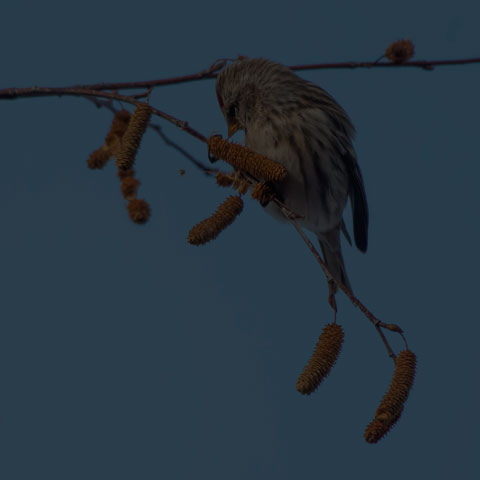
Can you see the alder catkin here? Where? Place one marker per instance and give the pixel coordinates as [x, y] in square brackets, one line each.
[133, 136]
[138, 210]
[129, 187]
[400, 51]
[118, 128]
[263, 193]
[391, 406]
[99, 158]
[224, 180]
[125, 173]
[245, 159]
[324, 357]
[210, 228]
[242, 187]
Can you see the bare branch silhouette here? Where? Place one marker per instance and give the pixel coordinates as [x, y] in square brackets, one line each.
[211, 73]
[123, 143]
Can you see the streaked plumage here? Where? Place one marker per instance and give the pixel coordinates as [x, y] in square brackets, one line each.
[300, 125]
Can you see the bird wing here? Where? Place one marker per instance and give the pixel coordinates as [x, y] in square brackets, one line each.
[358, 201]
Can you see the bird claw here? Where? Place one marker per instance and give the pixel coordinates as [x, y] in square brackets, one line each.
[264, 193]
[332, 290]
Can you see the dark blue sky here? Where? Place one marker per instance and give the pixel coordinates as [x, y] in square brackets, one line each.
[127, 353]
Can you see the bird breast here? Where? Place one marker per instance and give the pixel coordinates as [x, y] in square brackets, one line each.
[317, 184]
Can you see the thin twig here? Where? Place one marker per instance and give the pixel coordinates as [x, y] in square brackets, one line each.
[425, 64]
[99, 103]
[204, 74]
[13, 93]
[291, 216]
[206, 170]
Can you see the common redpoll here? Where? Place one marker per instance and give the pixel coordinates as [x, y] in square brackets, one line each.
[298, 124]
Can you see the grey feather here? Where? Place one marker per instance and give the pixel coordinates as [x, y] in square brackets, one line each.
[298, 124]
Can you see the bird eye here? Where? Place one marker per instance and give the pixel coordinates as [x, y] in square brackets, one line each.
[232, 111]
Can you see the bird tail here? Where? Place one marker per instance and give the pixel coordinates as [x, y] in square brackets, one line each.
[332, 254]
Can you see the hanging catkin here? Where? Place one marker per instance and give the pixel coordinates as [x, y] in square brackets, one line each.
[391, 406]
[210, 228]
[324, 357]
[133, 136]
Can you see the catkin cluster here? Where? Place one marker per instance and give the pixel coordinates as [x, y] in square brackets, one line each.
[100, 157]
[391, 406]
[324, 357]
[210, 228]
[122, 141]
[245, 159]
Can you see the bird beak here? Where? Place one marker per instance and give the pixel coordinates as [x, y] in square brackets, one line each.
[232, 128]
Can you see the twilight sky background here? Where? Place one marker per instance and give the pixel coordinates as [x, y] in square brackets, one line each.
[127, 353]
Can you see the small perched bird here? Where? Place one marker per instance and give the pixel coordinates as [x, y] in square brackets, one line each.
[299, 125]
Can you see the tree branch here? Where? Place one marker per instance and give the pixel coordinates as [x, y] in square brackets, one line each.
[424, 64]
[96, 91]
[212, 72]
[14, 93]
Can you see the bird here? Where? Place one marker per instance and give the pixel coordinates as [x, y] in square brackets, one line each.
[300, 125]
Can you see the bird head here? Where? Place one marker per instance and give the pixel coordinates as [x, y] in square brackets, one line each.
[237, 103]
[239, 94]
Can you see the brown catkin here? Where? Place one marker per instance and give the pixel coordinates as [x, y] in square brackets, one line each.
[324, 357]
[245, 159]
[262, 192]
[391, 406]
[236, 182]
[125, 173]
[400, 51]
[133, 136]
[378, 428]
[243, 187]
[129, 187]
[210, 228]
[99, 158]
[138, 210]
[224, 180]
[118, 127]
